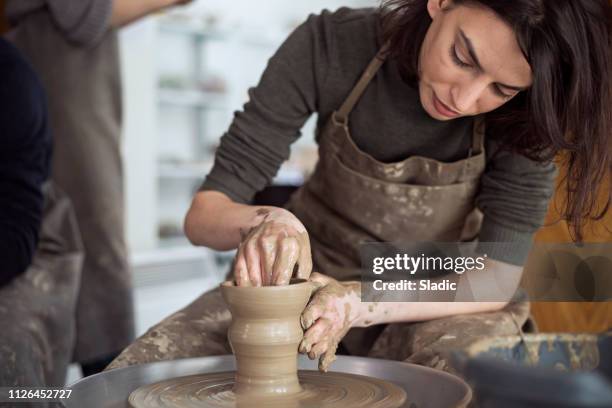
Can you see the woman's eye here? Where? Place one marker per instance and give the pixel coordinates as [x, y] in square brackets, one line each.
[501, 93]
[455, 57]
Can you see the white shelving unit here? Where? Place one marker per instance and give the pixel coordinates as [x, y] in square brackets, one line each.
[188, 88]
[182, 83]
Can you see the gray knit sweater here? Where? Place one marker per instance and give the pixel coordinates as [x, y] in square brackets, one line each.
[313, 72]
[83, 22]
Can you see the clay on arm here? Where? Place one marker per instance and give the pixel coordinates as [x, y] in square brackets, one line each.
[217, 222]
[25, 148]
[259, 138]
[494, 286]
[397, 312]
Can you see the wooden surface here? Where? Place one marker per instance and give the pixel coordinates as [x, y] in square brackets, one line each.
[567, 316]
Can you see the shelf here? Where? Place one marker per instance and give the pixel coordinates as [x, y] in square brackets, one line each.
[200, 33]
[191, 98]
[185, 170]
[169, 255]
[192, 30]
[197, 171]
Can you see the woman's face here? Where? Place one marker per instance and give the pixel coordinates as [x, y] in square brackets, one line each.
[470, 62]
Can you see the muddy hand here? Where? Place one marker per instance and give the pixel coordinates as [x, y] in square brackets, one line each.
[269, 251]
[332, 311]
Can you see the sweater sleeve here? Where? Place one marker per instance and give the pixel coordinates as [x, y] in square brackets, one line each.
[25, 148]
[514, 196]
[259, 138]
[84, 22]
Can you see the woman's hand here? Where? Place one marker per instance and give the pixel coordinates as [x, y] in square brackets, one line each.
[270, 250]
[333, 310]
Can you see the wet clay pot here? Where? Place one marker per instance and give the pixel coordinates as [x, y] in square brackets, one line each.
[264, 334]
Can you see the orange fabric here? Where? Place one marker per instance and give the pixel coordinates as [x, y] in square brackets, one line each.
[569, 316]
[3, 22]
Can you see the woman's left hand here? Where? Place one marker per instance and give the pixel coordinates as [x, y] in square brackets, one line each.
[333, 310]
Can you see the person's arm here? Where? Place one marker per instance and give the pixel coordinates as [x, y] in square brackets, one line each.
[336, 307]
[85, 22]
[25, 148]
[216, 221]
[253, 149]
[514, 196]
[125, 12]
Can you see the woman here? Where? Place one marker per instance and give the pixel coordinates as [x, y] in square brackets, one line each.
[402, 95]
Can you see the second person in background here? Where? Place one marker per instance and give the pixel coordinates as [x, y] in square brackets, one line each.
[73, 47]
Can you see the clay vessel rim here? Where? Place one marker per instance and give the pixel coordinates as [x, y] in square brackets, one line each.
[295, 284]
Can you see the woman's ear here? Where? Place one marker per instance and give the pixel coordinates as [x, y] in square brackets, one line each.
[435, 6]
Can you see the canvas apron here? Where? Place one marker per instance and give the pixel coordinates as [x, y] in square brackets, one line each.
[37, 308]
[83, 87]
[351, 198]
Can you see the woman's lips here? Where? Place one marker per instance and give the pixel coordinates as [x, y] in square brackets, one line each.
[443, 109]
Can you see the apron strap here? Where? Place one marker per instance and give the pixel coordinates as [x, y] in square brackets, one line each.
[342, 114]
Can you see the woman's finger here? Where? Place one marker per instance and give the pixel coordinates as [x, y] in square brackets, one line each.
[253, 262]
[319, 279]
[314, 335]
[305, 258]
[269, 251]
[241, 273]
[318, 349]
[310, 314]
[285, 261]
[329, 356]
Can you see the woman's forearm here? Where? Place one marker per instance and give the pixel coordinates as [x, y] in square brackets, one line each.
[394, 312]
[127, 11]
[491, 288]
[217, 222]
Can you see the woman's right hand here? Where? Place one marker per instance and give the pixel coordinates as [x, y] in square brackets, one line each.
[269, 251]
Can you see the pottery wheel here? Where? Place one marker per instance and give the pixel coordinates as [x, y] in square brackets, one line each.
[425, 387]
[324, 390]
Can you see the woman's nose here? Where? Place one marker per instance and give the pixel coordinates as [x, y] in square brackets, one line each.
[465, 95]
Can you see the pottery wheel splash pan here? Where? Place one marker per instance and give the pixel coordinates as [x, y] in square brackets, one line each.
[424, 387]
[319, 390]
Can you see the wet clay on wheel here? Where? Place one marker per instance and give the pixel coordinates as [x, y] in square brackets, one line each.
[264, 335]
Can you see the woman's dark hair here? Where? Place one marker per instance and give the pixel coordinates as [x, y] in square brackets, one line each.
[568, 109]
